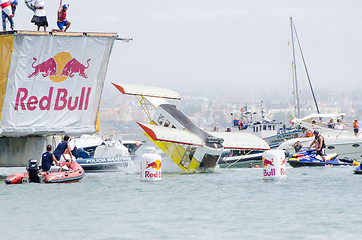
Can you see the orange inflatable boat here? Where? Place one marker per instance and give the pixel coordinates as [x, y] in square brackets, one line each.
[33, 174]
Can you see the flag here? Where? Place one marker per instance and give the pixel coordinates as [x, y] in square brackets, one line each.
[244, 109]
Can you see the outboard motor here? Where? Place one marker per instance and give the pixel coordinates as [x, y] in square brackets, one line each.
[33, 170]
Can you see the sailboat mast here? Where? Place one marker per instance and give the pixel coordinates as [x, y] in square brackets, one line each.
[296, 94]
[306, 70]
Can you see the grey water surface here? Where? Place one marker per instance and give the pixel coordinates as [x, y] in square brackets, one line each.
[311, 203]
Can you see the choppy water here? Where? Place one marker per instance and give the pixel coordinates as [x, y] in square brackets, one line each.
[312, 203]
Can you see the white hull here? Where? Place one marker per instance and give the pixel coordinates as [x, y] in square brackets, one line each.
[345, 147]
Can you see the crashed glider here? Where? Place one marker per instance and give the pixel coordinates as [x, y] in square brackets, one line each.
[188, 146]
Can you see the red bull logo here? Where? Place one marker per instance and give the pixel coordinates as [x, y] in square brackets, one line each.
[267, 162]
[60, 67]
[274, 164]
[152, 170]
[62, 100]
[269, 173]
[282, 162]
[156, 165]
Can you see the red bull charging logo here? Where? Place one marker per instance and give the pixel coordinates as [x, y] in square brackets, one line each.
[59, 67]
[156, 165]
[267, 162]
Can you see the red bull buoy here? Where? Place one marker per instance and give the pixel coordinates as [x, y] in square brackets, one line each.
[151, 167]
[274, 164]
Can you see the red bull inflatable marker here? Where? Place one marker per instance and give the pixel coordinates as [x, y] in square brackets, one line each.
[274, 164]
[151, 167]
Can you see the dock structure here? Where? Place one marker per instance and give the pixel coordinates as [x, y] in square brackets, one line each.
[50, 85]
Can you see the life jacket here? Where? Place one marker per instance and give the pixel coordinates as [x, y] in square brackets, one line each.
[63, 17]
[355, 125]
[323, 143]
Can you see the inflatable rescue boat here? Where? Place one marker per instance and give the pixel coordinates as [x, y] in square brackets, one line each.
[33, 174]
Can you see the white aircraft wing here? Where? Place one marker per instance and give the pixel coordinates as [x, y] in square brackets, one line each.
[140, 90]
[238, 140]
[164, 134]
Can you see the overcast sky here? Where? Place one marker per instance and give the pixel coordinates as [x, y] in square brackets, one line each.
[234, 47]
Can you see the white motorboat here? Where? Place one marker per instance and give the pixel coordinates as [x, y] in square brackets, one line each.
[93, 153]
[340, 141]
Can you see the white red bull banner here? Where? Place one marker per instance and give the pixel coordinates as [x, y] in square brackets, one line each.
[54, 84]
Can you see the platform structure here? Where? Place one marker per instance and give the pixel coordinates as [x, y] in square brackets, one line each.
[50, 85]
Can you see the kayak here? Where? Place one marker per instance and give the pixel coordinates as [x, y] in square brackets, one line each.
[73, 173]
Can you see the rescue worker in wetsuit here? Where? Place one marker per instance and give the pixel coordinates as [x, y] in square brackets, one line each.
[320, 144]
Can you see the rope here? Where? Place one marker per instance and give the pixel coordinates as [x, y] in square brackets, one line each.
[229, 165]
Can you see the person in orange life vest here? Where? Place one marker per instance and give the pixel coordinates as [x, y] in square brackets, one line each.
[62, 19]
[355, 128]
[320, 144]
[309, 133]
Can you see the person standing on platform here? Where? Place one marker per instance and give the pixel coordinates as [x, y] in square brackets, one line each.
[63, 23]
[62, 147]
[13, 4]
[40, 18]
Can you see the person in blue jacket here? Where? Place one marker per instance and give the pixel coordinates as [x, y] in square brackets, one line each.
[47, 159]
[62, 147]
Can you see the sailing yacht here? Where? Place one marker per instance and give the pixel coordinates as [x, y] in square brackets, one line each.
[341, 141]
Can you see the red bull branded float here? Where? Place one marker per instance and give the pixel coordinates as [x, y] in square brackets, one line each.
[274, 164]
[50, 84]
[73, 173]
[151, 167]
